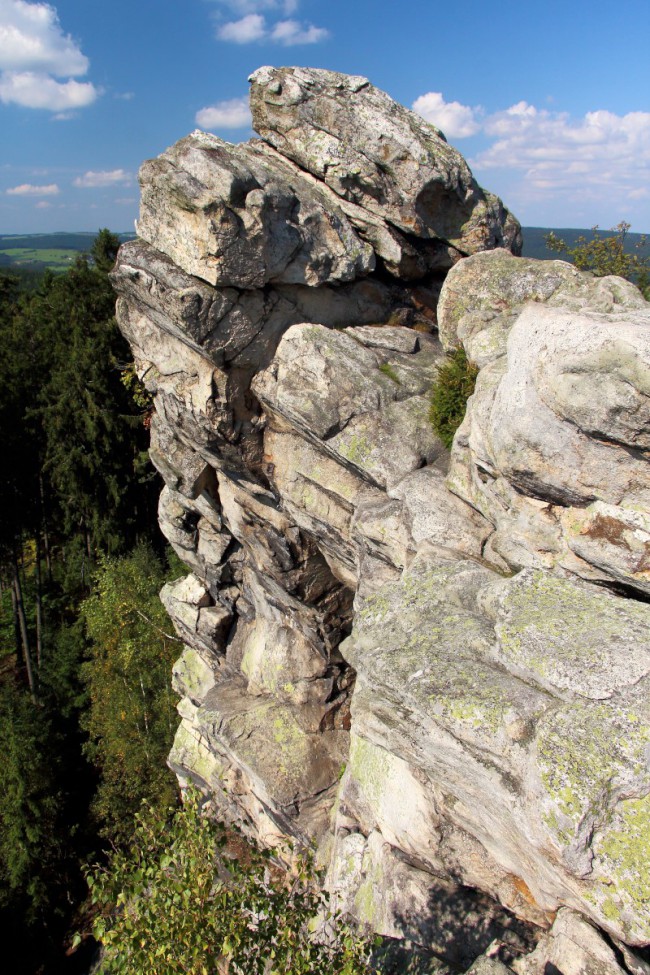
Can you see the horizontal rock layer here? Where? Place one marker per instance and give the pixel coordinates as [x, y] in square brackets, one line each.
[434, 666]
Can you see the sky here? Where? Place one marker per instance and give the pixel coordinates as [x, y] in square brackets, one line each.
[548, 101]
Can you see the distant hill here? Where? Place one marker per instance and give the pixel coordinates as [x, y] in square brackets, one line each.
[36, 252]
[535, 245]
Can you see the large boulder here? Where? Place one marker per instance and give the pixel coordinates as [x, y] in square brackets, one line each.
[377, 154]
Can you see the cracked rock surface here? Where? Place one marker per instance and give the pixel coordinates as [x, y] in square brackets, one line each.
[433, 665]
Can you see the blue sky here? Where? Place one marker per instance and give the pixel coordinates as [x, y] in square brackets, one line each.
[549, 102]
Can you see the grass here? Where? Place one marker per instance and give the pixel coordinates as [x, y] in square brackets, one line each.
[53, 256]
[453, 387]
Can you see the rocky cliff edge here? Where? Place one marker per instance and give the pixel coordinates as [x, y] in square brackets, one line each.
[433, 665]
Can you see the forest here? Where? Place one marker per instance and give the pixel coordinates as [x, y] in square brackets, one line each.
[86, 711]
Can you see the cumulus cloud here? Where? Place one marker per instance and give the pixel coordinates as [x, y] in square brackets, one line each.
[28, 189]
[231, 114]
[555, 151]
[250, 28]
[291, 32]
[542, 154]
[31, 39]
[43, 205]
[456, 121]
[34, 90]
[34, 53]
[107, 177]
[253, 27]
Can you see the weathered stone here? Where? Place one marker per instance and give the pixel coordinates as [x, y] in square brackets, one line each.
[368, 410]
[431, 675]
[573, 947]
[248, 218]
[379, 155]
[552, 447]
[479, 301]
[470, 738]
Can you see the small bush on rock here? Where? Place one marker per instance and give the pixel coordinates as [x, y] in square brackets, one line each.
[179, 903]
[453, 387]
[608, 255]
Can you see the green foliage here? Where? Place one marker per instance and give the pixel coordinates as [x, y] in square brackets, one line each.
[104, 250]
[31, 802]
[607, 255]
[139, 393]
[177, 904]
[131, 719]
[453, 387]
[73, 486]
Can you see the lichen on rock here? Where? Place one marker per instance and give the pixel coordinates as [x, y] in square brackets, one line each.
[431, 665]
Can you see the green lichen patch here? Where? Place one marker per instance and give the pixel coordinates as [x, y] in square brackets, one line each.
[425, 637]
[588, 753]
[357, 449]
[571, 637]
[389, 371]
[190, 754]
[623, 859]
[370, 767]
[192, 677]
[368, 899]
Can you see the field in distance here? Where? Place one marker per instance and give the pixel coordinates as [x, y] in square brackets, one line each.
[36, 252]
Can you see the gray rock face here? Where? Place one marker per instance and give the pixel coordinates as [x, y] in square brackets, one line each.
[553, 449]
[434, 667]
[379, 155]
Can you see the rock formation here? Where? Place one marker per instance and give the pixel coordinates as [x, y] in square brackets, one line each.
[433, 666]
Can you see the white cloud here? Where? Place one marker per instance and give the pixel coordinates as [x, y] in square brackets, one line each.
[291, 32]
[456, 121]
[34, 52]
[231, 114]
[31, 39]
[540, 159]
[43, 205]
[250, 28]
[110, 177]
[28, 189]
[34, 90]
[556, 152]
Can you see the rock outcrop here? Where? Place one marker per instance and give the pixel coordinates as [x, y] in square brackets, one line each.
[432, 665]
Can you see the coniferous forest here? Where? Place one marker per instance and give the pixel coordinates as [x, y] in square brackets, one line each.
[86, 709]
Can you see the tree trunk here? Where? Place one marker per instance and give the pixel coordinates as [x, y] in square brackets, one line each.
[14, 607]
[46, 536]
[39, 604]
[20, 609]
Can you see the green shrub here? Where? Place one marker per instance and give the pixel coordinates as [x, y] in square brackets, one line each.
[177, 902]
[453, 387]
[607, 255]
